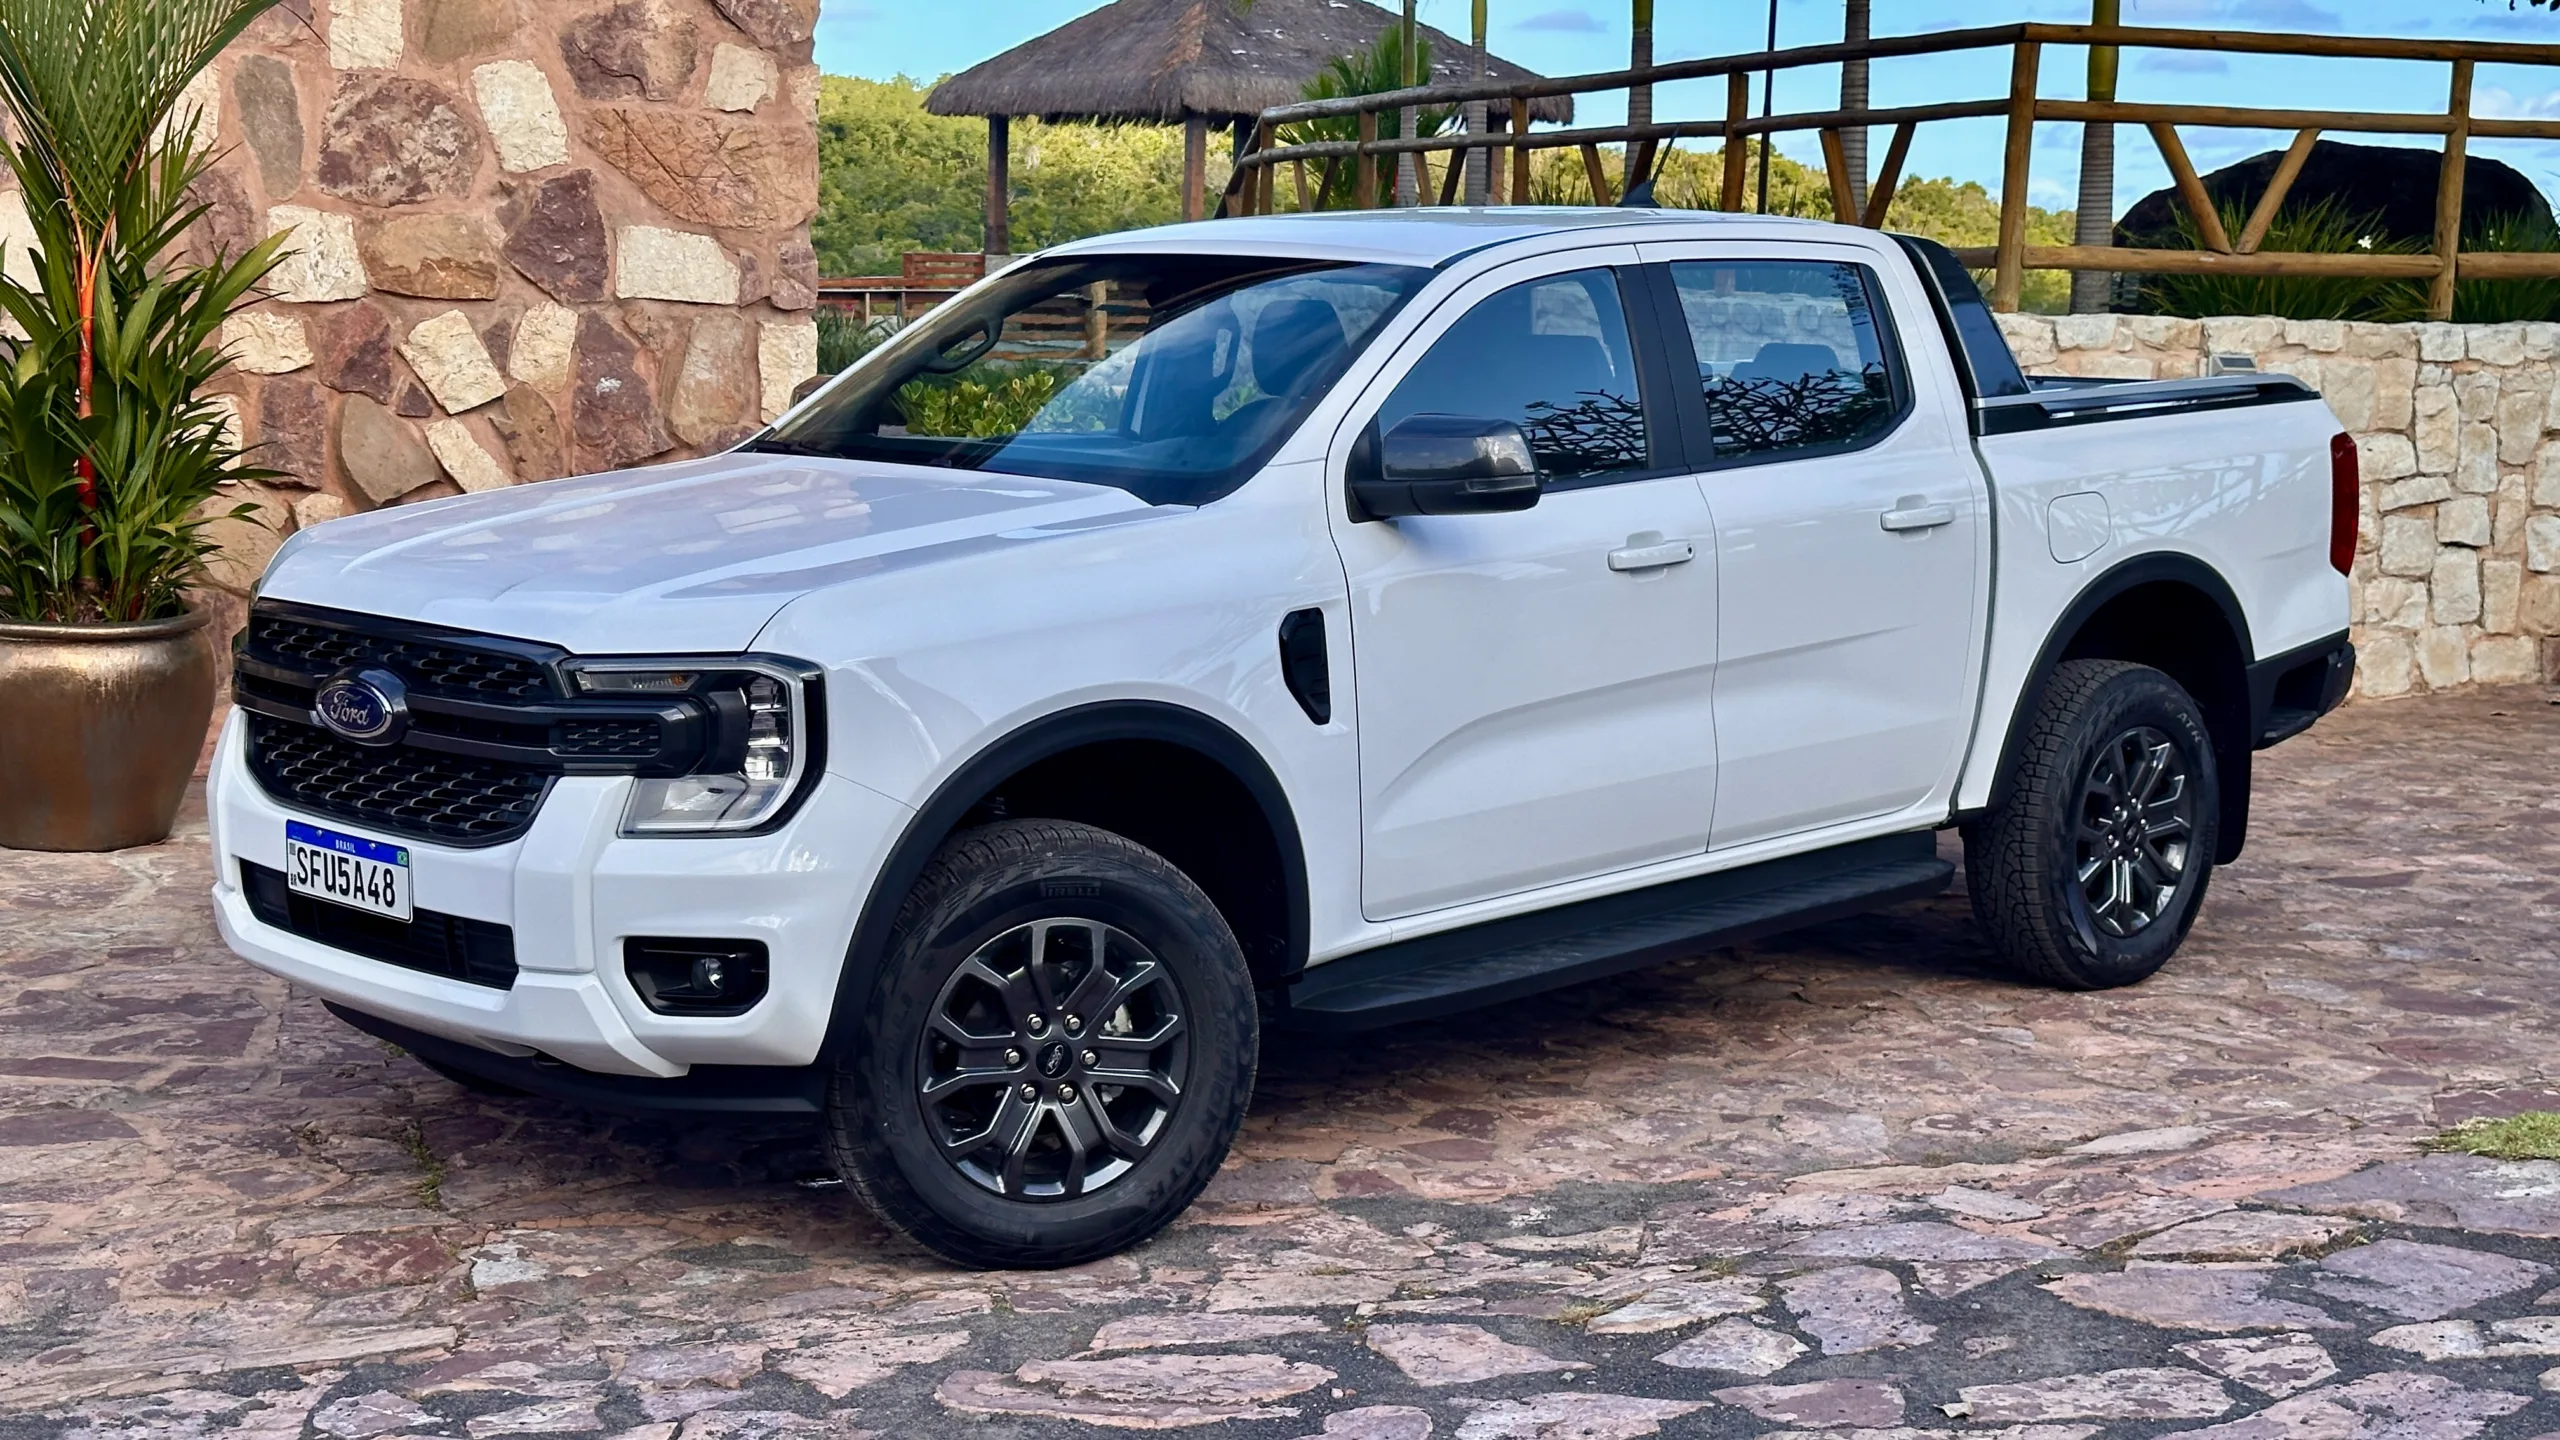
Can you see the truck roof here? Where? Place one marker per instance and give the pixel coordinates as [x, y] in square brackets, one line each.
[1429, 236]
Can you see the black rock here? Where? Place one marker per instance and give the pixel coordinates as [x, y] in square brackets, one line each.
[2396, 186]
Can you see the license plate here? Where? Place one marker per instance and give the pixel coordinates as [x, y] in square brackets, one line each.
[344, 870]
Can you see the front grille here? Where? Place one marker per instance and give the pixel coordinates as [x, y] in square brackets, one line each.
[478, 952]
[461, 671]
[405, 790]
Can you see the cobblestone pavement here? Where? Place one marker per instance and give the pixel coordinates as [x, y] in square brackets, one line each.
[1847, 1183]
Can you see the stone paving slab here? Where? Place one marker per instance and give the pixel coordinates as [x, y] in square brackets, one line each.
[1847, 1183]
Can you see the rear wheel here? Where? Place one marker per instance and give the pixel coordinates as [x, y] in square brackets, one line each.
[2089, 870]
[1056, 1056]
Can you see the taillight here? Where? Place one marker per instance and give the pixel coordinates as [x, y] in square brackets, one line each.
[2346, 502]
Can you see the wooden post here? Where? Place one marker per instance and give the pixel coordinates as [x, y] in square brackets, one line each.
[1737, 108]
[1454, 176]
[1520, 153]
[2277, 185]
[1599, 178]
[1366, 197]
[1266, 186]
[1097, 321]
[2457, 144]
[2009, 273]
[2173, 153]
[1835, 166]
[1298, 173]
[1195, 166]
[999, 235]
[1880, 193]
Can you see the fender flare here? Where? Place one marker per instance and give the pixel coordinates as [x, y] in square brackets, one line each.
[2231, 750]
[1055, 734]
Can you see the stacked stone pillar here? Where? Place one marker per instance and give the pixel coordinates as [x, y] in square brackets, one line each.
[535, 238]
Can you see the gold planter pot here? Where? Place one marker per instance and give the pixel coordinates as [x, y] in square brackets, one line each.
[100, 727]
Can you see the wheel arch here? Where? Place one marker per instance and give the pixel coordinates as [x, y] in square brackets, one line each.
[1209, 776]
[2174, 613]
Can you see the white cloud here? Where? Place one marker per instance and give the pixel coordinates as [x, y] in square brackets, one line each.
[2503, 104]
[2182, 62]
[1576, 22]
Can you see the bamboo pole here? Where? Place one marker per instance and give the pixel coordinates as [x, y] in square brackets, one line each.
[2132, 112]
[2449, 194]
[1737, 108]
[1835, 167]
[2009, 275]
[1520, 152]
[2173, 153]
[1880, 192]
[1600, 194]
[1367, 179]
[2357, 263]
[2278, 184]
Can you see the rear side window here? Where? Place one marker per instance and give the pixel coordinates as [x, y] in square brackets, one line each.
[1550, 355]
[1790, 355]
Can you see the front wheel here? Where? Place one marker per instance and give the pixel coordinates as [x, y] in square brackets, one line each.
[1056, 1056]
[2088, 871]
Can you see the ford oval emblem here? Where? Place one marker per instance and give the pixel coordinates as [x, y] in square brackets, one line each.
[369, 707]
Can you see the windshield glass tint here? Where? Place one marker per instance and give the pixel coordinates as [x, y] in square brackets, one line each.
[1170, 376]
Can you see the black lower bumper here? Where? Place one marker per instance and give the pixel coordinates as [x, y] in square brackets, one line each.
[780, 1092]
[2289, 691]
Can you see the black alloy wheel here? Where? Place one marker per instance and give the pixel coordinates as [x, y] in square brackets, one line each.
[1054, 1059]
[2137, 827]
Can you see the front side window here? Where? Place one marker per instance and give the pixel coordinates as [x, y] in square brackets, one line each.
[1788, 353]
[1550, 355]
[1171, 376]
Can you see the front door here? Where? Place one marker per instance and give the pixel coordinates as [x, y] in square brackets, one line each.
[1849, 531]
[1535, 689]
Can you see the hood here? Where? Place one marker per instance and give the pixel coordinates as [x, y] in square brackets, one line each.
[694, 556]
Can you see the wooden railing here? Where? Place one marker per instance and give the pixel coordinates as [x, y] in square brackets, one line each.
[1318, 167]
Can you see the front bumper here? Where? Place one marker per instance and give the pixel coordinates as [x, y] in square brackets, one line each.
[572, 890]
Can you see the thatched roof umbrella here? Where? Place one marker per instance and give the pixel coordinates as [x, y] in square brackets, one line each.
[1195, 63]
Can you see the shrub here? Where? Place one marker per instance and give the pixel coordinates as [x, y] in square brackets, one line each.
[110, 449]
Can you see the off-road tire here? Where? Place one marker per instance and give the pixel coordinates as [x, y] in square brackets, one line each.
[985, 885]
[2022, 854]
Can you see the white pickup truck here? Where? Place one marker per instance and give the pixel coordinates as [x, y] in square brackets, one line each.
[1324, 621]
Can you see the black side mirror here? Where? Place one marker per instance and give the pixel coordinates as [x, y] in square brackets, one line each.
[1445, 465]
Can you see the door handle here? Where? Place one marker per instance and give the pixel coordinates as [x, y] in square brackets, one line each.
[1914, 512]
[1654, 553]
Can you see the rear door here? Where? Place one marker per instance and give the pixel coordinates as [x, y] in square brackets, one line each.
[1850, 516]
[1535, 689]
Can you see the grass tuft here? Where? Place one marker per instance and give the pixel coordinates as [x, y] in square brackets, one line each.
[2533, 1135]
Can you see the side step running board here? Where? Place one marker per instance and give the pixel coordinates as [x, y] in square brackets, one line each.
[1506, 959]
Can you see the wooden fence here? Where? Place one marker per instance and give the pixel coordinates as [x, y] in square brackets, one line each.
[1317, 168]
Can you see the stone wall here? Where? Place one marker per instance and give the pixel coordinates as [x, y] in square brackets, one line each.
[535, 238]
[2457, 575]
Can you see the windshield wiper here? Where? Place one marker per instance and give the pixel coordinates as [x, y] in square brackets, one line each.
[768, 445]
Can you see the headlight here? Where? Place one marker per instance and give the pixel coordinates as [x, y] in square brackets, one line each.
[762, 747]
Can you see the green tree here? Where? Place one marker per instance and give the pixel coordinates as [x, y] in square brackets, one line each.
[892, 178]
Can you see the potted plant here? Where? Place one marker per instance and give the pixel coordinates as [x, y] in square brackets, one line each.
[112, 454]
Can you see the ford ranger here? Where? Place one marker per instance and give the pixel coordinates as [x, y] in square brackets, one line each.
[1318, 621]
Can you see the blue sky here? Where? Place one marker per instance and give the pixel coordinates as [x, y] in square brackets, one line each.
[927, 38]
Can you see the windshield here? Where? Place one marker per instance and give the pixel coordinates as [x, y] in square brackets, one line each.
[1171, 376]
